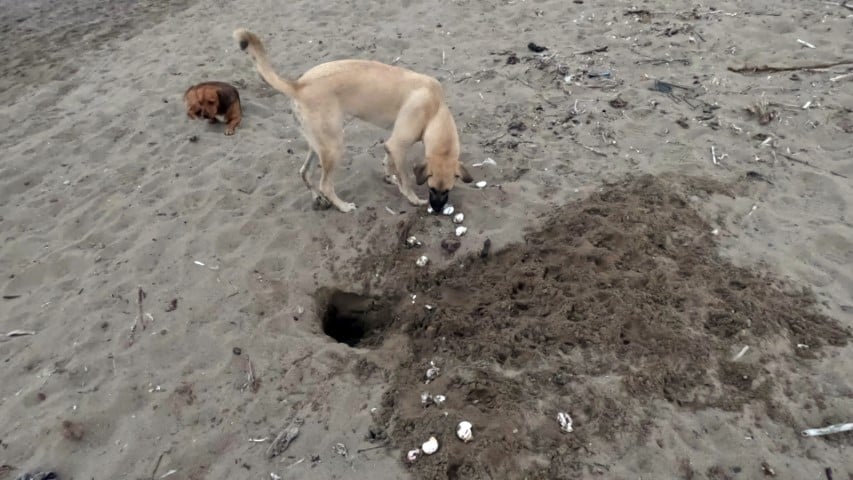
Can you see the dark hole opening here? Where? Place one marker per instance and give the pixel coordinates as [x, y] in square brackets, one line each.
[353, 319]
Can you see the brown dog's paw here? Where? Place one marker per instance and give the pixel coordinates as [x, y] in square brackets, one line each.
[229, 131]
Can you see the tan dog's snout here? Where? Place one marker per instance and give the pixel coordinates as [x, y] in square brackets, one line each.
[440, 185]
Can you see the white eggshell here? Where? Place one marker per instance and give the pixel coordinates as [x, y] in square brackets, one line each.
[430, 446]
[463, 431]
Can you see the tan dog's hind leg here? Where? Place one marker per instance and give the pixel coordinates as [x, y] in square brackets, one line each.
[305, 172]
[326, 136]
[330, 156]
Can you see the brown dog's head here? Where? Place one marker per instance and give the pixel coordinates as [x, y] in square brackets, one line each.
[440, 175]
[202, 101]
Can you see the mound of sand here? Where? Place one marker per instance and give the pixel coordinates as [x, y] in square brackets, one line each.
[618, 303]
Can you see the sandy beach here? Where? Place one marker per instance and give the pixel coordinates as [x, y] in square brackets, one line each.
[667, 184]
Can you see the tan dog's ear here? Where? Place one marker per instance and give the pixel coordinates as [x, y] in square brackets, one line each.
[462, 173]
[420, 173]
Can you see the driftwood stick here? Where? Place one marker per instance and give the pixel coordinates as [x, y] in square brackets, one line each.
[809, 164]
[746, 69]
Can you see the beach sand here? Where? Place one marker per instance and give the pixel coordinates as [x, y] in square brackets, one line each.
[609, 220]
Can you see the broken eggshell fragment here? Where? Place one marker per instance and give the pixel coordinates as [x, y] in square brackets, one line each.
[413, 455]
[565, 422]
[413, 242]
[432, 372]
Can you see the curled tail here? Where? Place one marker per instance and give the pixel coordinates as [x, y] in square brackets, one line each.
[250, 42]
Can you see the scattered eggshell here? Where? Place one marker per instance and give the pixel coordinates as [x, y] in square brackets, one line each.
[413, 242]
[481, 184]
[565, 422]
[432, 372]
[430, 446]
[413, 455]
[425, 398]
[448, 210]
[422, 261]
[460, 230]
[459, 218]
[463, 431]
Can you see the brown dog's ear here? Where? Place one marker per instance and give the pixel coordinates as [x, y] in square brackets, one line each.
[420, 173]
[211, 96]
[191, 102]
[464, 175]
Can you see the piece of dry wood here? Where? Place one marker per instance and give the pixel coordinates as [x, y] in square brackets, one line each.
[746, 69]
[594, 50]
[808, 164]
[283, 440]
[841, 77]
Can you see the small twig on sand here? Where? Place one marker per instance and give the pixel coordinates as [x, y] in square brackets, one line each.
[841, 77]
[140, 316]
[714, 155]
[600, 154]
[805, 43]
[809, 164]
[594, 50]
[782, 68]
[362, 450]
[251, 380]
[157, 465]
[837, 428]
[493, 140]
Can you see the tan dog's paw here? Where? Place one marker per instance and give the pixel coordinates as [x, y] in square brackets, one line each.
[347, 207]
[229, 131]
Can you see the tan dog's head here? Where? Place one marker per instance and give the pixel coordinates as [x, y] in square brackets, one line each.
[202, 101]
[440, 174]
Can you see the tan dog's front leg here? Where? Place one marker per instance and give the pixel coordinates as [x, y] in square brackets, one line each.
[398, 156]
[391, 175]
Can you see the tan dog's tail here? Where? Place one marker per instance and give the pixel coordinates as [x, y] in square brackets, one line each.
[250, 42]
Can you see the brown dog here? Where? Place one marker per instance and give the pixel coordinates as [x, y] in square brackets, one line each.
[209, 99]
[412, 105]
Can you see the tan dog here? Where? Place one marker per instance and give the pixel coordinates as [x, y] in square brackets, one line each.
[209, 99]
[410, 104]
